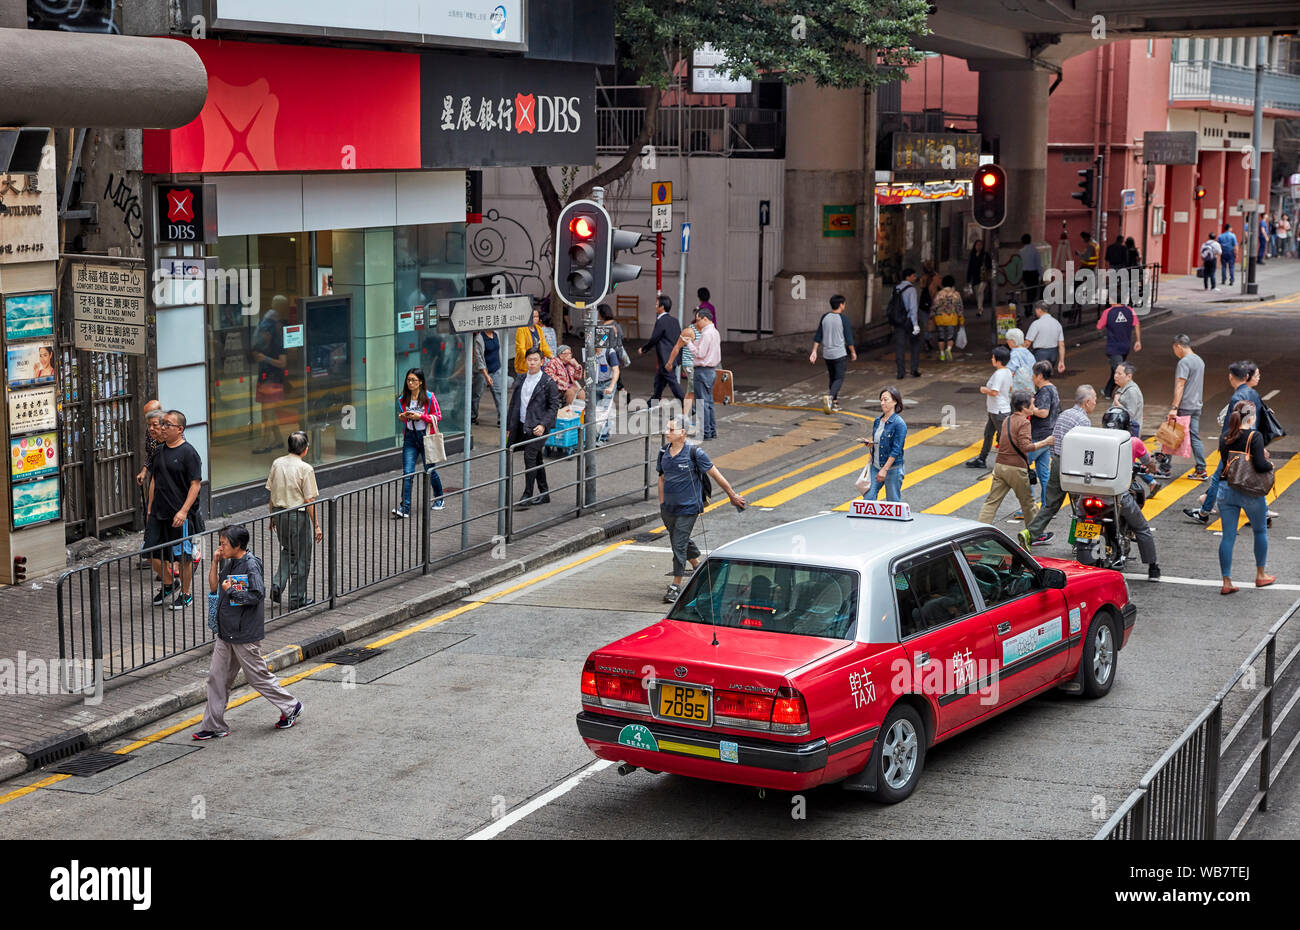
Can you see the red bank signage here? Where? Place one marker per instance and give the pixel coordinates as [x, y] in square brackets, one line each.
[306, 108]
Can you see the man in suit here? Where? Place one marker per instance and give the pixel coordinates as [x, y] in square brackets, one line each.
[533, 405]
[662, 340]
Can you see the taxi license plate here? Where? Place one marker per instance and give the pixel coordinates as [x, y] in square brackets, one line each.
[684, 702]
[1086, 530]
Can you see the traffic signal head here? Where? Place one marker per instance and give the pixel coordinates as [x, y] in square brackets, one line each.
[1200, 192]
[1087, 176]
[990, 196]
[585, 243]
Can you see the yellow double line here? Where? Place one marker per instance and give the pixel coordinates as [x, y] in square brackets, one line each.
[306, 673]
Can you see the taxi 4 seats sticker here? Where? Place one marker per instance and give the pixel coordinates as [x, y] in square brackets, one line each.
[638, 737]
[1030, 641]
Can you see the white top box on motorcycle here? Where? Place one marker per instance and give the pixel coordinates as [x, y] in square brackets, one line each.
[1096, 461]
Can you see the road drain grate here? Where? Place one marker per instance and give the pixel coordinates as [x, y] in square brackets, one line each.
[89, 763]
[353, 656]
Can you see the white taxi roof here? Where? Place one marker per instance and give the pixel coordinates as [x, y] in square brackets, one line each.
[838, 540]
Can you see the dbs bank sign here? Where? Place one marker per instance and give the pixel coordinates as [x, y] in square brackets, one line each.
[181, 215]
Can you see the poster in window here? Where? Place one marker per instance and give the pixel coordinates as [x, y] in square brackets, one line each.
[35, 502]
[33, 456]
[32, 410]
[29, 315]
[30, 363]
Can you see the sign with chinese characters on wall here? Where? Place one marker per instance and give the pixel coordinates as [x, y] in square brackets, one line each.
[923, 192]
[29, 216]
[935, 156]
[108, 307]
[33, 409]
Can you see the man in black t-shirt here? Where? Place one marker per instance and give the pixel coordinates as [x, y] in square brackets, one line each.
[177, 474]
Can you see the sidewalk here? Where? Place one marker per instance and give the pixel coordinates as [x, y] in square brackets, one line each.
[1276, 278]
[40, 728]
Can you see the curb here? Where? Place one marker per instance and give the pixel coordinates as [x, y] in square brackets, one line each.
[14, 763]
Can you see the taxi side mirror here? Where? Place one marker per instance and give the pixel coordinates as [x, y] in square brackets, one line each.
[1052, 578]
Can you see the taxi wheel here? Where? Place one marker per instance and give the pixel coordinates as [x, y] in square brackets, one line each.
[901, 754]
[1100, 657]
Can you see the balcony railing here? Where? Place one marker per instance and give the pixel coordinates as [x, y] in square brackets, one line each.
[725, 131]
[1220, 83]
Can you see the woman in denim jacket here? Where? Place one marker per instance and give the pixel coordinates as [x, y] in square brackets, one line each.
[888, 434]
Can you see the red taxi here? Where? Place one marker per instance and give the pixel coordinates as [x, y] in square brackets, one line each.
[841, 647]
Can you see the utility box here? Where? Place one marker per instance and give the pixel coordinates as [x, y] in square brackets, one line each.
[1096, 461]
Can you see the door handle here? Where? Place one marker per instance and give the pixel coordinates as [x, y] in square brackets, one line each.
[922, 658]
[1004, 628]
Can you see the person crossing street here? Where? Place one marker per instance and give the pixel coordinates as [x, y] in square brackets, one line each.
[1085, 402]
[834, 335]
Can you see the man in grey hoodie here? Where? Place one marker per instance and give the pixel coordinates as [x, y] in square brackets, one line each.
[241, 627]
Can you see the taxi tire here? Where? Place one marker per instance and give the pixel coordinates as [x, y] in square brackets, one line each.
[1092, 688]
[885, 793]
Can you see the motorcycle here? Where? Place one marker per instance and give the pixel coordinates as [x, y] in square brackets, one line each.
[1098, 531]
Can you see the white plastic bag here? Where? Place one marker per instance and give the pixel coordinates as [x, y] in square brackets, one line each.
[864, 480]
[960, 341]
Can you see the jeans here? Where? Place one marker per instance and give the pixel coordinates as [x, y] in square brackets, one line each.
[903, 339]
[1207, 273]
[704, 378]
[604, 409]
[1194, 427]
[479, 384]
[295, 531]
[835, 368]
[1229, 270]
[1231, 503]
[1113, 361]
[679, 526]
[893, 484]
[1047, 355]
[1212, 495]
[991, 428]
[413, 450]
[1041, 462]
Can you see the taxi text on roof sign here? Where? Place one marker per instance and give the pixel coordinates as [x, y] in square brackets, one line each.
[883, 510]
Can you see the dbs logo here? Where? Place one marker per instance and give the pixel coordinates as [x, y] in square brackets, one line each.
[239, 126]
[180, 206]
[525, 113]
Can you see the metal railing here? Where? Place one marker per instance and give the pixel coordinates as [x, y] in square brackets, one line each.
[693, 130]
[107, 611]
[1221, 83]
[1179, 798]
[1143, 290]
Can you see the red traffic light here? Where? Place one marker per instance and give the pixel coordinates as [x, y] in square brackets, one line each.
[582, 227]
[988, 179]
[1200, 192]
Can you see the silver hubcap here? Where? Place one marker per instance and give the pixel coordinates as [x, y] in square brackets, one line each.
[1103, 654]
[900, 754]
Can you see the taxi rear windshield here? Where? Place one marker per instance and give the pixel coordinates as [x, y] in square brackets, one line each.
[776, 598]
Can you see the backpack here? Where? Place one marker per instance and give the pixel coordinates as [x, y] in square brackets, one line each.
[1207, 251]
[896, 312]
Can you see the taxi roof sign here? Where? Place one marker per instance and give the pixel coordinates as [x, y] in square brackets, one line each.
[880, 510]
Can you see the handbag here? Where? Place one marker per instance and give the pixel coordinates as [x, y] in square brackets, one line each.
[435, 450]
[1172, 434]
[1241, 475]
[623, 356]
[1269, 427]
[212, 612]
[960, 341]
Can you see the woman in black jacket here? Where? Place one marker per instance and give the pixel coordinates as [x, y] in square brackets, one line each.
[1242, 438]
[979, 270]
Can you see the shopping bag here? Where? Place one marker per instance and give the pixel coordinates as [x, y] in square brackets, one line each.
[434, 449]
[864, 480]
[212, 612]
[960, 341]
[1170, 435]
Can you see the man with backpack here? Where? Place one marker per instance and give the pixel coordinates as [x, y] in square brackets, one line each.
[684, 489]
[1210, 252]
[901, 315]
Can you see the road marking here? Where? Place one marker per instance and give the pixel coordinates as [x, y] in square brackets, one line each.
[954, 502]
[1214, 335]
[1203, 583]
[1174, 490]
[1283, 478]
[929, 471]
[537, 803]
[1271, 394]
[816, 481]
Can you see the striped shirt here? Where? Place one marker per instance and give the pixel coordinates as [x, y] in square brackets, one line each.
[1066, 421]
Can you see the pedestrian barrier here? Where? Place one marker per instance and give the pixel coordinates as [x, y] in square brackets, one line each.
[1179, 798]
[107, 611]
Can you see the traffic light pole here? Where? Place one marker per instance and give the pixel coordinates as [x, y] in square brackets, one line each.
[588, 433]
[990, 249]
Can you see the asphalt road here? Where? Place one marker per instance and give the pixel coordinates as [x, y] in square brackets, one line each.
[464, 725]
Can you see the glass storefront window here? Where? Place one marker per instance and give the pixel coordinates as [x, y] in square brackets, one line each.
[341, 315]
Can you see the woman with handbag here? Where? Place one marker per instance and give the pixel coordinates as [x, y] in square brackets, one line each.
[888, 435]
[1011, 467]
[418, 412]
[1248, 477]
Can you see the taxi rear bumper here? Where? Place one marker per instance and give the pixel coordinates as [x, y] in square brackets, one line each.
[700, 754]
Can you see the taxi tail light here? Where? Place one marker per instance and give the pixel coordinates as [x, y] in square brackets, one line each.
[625, 688]
[589, 679]
[737, 705]
[1093, 506]
[789, 712]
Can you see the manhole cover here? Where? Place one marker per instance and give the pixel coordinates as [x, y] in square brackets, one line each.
[89, 763]
[353, 656]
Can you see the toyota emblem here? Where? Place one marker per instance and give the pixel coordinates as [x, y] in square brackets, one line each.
[680, 671]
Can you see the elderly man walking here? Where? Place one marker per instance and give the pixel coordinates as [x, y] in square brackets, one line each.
[292, 483]
[1085, 402]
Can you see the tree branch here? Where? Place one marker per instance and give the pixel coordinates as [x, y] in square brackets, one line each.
[621, 167]
[550, 198]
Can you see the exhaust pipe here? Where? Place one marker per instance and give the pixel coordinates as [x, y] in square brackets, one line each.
[625, 769]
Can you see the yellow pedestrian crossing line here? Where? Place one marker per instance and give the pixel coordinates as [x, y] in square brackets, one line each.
[800, 488]
[954, 502]
[1170, 493]
[929, 471]
[1283, 479]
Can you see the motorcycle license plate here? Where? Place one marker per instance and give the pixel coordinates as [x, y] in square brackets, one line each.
[1086, 531]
